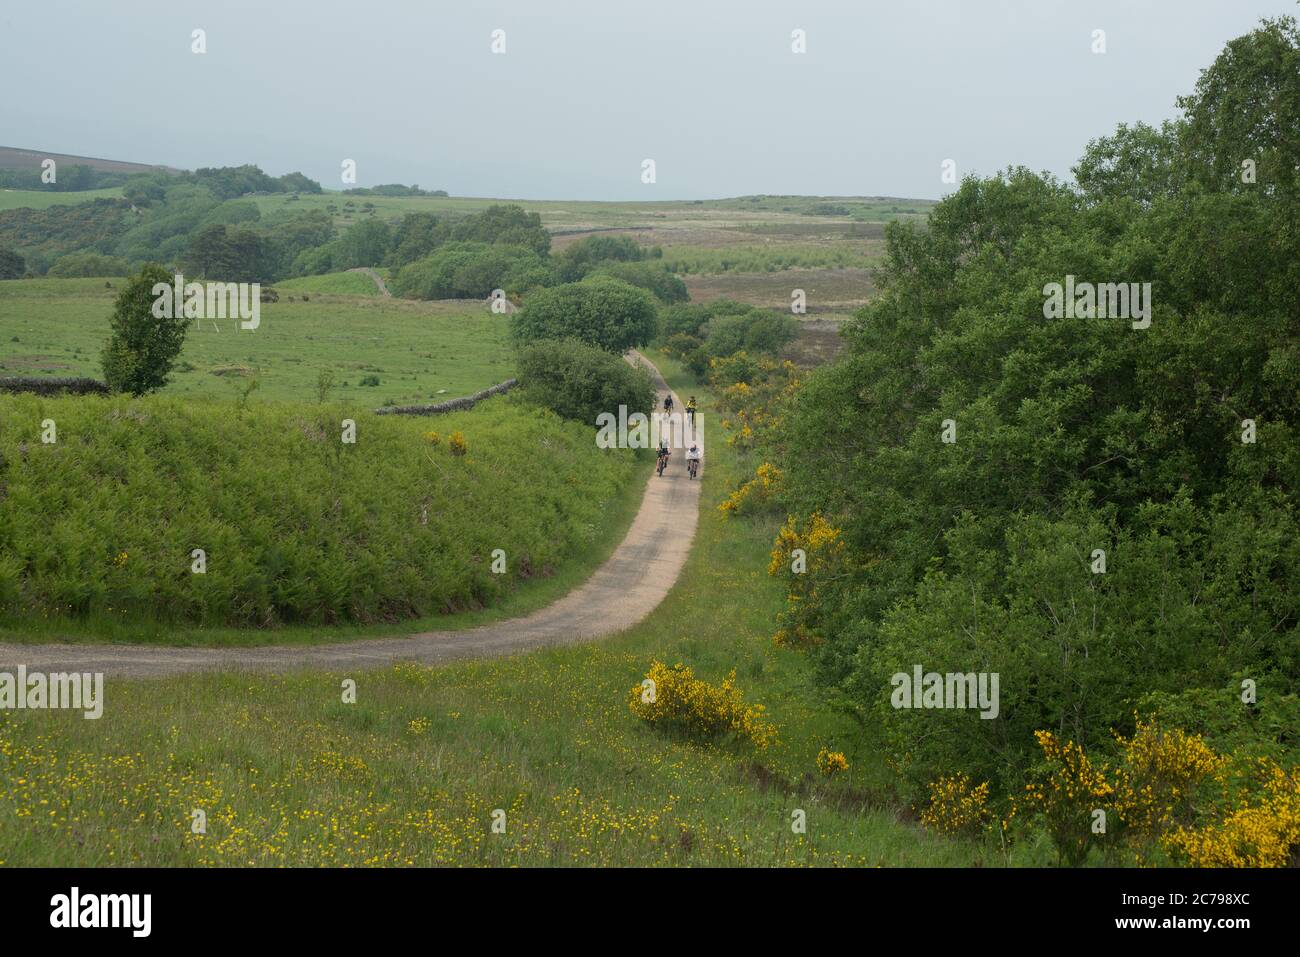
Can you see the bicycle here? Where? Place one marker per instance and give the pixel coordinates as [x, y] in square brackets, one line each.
[693, 468]
[663, 463]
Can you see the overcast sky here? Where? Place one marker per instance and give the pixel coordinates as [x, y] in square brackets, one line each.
[588, 89]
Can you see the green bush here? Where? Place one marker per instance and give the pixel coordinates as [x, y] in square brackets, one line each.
[472, 270]
[85, 265]
[578, 259]
[142, 348]
[12, 265]
[652, 277]
[602, 311]
[579, 381]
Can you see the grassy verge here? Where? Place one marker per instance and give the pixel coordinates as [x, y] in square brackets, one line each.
[412, 773]
[394, 530]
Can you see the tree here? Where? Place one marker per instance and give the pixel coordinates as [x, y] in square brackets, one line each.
[653, 277]
[365, 244]
[600, 311]
[578, 259]
[142, 348]
[229, 253]
[12, 265]
[581, 381]
[1246, 106]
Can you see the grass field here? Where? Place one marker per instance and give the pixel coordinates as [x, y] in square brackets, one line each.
[419, 351]
[413, 771]
[44, 199]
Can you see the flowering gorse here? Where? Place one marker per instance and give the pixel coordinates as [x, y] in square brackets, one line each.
[682, 701]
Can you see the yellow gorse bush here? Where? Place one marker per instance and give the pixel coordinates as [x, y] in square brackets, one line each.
[830, 763]
[955, 806]
[1161, 771]
[1065, 796]
[824, 556]
[754, 493]
[456, 444]
[680, 700]
[1264, 832]
[433, 438]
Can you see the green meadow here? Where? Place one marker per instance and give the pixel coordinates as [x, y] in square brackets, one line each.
[44, 199]
[418, 351]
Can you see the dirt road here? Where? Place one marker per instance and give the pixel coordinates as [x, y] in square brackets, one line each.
[623, 591]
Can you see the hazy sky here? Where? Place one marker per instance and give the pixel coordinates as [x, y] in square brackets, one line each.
[587, 89]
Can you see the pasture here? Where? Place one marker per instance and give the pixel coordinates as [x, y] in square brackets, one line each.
[417, 351]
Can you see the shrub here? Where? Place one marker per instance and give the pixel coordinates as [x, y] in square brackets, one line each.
[956, 807]
[82, 265]
[831, 763]
[652, 277]
[578, 259]
[677, 699]
[1066, 790]
[12, 265]
[579, 381]
[141, 350]
[456, 444]
[602, 311]
[471, 270]
[1263, 832]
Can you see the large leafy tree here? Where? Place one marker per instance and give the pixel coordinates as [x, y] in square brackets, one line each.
[1071, 436]
[601, 311]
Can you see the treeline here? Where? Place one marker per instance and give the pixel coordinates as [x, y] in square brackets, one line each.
[161, 215]
[393, 189]
[70, 178]
[1101, 512]
[205, 224]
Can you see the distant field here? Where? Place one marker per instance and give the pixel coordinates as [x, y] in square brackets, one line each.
[43, 199]
[830, 292]
[418, 350]
[770, 258]
[577, 215]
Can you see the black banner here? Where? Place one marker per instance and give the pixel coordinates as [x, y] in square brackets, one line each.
[336, 906]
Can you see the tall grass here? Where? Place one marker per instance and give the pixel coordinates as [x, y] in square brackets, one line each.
[296, 525]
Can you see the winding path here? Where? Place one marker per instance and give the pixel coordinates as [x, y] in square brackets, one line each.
[621, 592]
[378, 280]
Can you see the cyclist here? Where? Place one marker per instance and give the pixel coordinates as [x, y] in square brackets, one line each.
[661, 462]
[690, 411]
[668, 403]
[693, 457]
